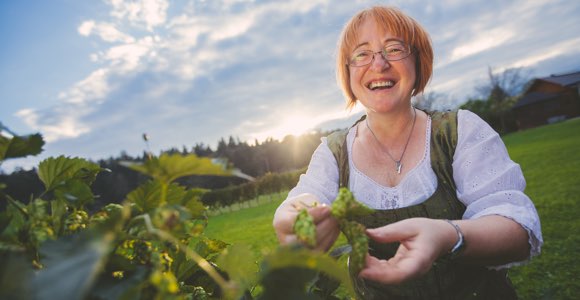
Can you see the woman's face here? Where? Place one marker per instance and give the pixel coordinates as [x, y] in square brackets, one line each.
[381, 86]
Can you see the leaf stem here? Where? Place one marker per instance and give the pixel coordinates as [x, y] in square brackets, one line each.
[201, 262]
[16, 204]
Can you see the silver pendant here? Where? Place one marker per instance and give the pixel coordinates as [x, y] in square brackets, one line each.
[399, 166]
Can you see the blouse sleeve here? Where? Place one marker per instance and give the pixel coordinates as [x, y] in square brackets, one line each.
[321, 177]
[489, 182]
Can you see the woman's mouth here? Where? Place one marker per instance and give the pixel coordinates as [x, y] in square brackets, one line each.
[376, 85]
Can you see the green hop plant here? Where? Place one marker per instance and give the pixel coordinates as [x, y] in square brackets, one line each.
[344, 208]
[355, 234]
[305, 229]
[76, 221]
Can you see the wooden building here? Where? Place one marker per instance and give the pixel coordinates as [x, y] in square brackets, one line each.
[548, 100]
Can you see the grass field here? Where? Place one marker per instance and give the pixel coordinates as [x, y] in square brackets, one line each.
[251, 226]
[550, 159]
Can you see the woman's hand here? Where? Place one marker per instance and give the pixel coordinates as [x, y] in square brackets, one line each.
[422, 241]
[327, 229]
[492, 240]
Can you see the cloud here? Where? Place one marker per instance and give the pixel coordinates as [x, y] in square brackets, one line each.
[539, 55]
[106, 31]
[147, 13]
[65, 126]
[64, 120]
[484, 42]
[94, 87]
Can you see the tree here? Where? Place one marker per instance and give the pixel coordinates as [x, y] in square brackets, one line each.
[427, 101]
[501, 92]
[508, 83]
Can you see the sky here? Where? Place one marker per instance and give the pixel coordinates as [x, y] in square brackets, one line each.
[93, 76]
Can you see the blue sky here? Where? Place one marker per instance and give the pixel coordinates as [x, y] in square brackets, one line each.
[93, 76]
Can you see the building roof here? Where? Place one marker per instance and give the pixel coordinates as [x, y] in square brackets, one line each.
[535, 97]
[567, 80]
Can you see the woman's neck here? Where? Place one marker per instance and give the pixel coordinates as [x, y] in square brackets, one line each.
[391, 126]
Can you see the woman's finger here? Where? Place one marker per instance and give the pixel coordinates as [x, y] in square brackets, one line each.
[391, 233]
[319, 213]
[326, 233]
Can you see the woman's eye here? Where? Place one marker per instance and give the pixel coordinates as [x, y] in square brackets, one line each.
[394, 49]
[360, 55]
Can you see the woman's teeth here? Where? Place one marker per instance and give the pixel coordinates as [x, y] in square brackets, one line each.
[381, 84]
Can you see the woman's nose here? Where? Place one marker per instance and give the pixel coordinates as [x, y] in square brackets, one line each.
[379, 63]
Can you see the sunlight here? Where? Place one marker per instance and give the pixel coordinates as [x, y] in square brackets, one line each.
[296, 124]
[291, 125]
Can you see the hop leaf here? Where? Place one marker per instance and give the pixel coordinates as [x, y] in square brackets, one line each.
[168, 167]
[20, 146]
[54, 172]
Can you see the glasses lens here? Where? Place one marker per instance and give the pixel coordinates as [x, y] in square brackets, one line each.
[396, 51]
[361, 58]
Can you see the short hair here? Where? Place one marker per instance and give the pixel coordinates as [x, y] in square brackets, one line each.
[397, 23]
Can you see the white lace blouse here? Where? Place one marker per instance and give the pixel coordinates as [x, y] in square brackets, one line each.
[488, 181]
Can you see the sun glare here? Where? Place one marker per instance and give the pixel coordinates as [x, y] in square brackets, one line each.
[299, 123]
[290, 125]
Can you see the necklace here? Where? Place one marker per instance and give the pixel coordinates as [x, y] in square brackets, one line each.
[398, 163]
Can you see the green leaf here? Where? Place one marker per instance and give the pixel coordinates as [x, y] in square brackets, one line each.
[108, 216]
[72, 265]
[74, 192]
[38, 209]
[17, 217]
[174, 219]
[288, 283]
[4, 221]
[15, 276]
[58, 210]
[305, 259]
[20, 146]
[148, 196]
[54, 172]
[207, 247]
[168, 167]
[191, 200]
[127, 287]
[239, 262]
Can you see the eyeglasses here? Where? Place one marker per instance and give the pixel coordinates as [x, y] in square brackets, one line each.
[391, 52]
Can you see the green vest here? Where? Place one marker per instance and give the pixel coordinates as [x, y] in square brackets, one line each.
[446, 279]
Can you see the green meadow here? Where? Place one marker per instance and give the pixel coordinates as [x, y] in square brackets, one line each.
[550, 159]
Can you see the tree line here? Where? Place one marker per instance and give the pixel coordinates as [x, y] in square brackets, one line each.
[273, 163]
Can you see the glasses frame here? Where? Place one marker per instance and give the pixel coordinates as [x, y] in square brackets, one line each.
[383, 53]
